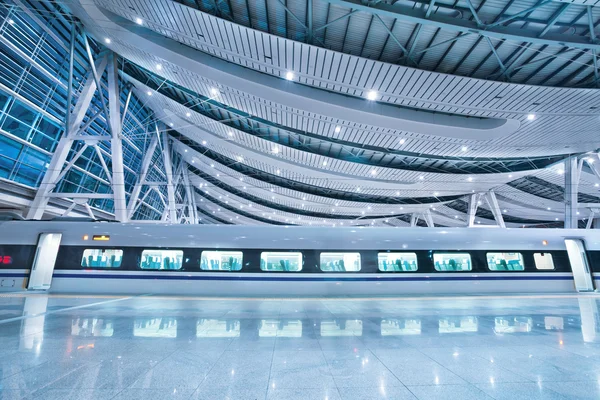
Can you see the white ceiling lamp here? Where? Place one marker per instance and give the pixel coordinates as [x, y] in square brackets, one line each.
[214, 91]
[289, 76]
[212, 165]
[402, 141]
[373, 172]
[11, 21]
[464, 148]
[510, 175]
[139, 21]
[149, 93]
[275, 150]
[278, 172]
[372, 95]
[324, 163]
[470, 179]
[230, 133]
[436, 193]
[158, 67]
[421, 177]
[530, 117]
[338, 129]
[188, 114]
[107, 40]
[204, 142]
[171, 124]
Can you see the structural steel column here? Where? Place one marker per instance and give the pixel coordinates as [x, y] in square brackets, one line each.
[116, 144]
[135, 193]
[189, 193]
[473, 199]
[172, 210]
[51, 177]
[495, 208]
[571, 190]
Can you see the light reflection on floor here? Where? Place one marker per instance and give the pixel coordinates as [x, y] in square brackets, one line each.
[65, 347]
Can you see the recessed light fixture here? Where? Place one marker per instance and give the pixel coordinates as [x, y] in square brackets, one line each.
[530, 117]
[358, 189]
[204, 142]
[324, 163]
[230, 133]
[436, 193]
[464, 148]
[560, 171]
[289, 75]
[170, 124]
[373, 172]
[214, 91]
[372, 95]
[159, 66]
[402, 141]
[149, 93]
[212, 165]
[510, 175]
[338, 129]
[107, 40]
[278, 172]
[505, 210]
[139, 21]
[548, 208]
[185, 150]
[188, 114]
[421, 177]
[596, 184]
[275, 150]
[11, 21]
[470, 179]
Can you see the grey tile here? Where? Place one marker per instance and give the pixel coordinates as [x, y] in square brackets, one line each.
[576, 390]
[377, 393]
[12, 394]
[74, 394]
[229, 393]
[448, 392]
[520, 391]
[154, 394]
[303, 394]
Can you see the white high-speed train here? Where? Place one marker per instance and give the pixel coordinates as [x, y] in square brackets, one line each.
[108, 257]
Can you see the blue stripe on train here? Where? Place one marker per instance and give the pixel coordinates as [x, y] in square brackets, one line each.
[302, 279]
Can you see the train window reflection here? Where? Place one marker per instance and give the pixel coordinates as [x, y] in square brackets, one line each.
[278, 328]
[218, 328]
[554, 323]
[458, 325]
[512, 324]
[340, 262]
[350, 327]
[92, 327]
[162, 259]
[543, 261]
[397, 327]
[397, 262]
[221, 260]
[505, 262]
[281, 261]
[155, 327]
[101, 258]
[452, 261]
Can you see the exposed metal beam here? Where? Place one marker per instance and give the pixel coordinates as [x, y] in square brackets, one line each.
[143, 173]
[171, 205]
[495, 208]
[571, 191]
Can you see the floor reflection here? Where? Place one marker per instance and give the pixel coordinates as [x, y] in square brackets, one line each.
[328, 346]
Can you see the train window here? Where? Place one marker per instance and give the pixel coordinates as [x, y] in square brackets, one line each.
[452, 261]
[221, 260]
[101, 258]
[281, 261]
[505, 262]
[162, 259]
[392, 262]
[340, 262]
[543, 261]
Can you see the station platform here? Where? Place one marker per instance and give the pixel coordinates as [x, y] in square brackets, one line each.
[158, 347]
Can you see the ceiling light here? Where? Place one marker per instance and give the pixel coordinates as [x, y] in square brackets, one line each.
[275, 150]
[436, 193]
[470, 179]
[240, 158]
[397, 193]
[214, 91]
[510, 175]
[596, 184]
[358, 189]
[11, 21]
[230, 133]
[193, 161]
[372, 95]
[278, 172]
[421, 177]
[212, 165]
[530, 117]
[337, 129]
[402, 141]
[324, 162]
[373, 172]
[289, 75]
[548, 208]
[464, 148]
[107, 40]
[139, 21]
[560, 171]
[456, 216]
[158, 67]
[188, 114]
[170, 124]
[185, 150]
[241, 179]
[304, 198]
[149, 93]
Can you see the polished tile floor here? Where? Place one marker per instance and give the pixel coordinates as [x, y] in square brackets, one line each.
[148, 347]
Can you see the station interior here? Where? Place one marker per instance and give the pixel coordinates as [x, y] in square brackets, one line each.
[299, 199]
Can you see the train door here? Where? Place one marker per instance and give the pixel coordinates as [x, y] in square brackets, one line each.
[579, 263]
[43, 263]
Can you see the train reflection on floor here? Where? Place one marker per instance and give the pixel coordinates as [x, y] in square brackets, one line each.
[140, 347]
